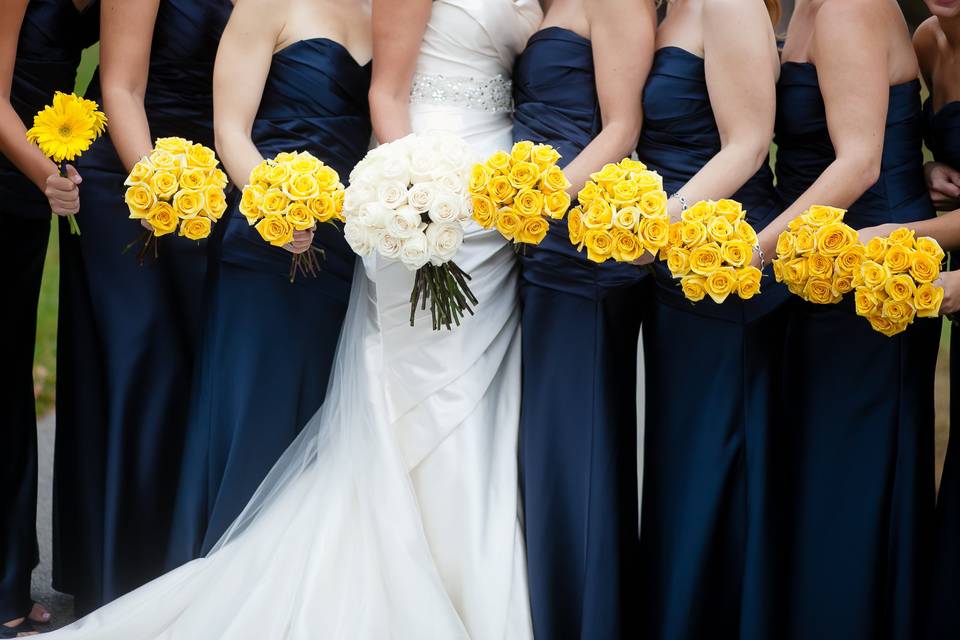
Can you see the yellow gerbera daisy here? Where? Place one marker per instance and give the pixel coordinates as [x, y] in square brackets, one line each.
[67, 128]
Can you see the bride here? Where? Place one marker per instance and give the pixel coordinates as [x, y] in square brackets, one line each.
[395, 513]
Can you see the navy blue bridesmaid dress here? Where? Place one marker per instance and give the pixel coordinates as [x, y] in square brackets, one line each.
[856, 448]
[578, 430]
[942, 133]
[52, 37]
[713, 395]
[270, 344]
[128, 339]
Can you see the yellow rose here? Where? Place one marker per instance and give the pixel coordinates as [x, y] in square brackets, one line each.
[500, 190]
[533, 230]
[521, 151]
[795, 271]
[214, 201]
[655, 232]
[484, 211]
[705, 259]
[736, 253]
[285, 157]
[301, 186]
[575, 226]
[720, 284]
[693, 233]
[499, 161]
[633, 166]
[804, 241]
[556, 204]
[508, 222]
[173, 145]
[778, 270]
[699, 212]
[719, 229]
[274, 202]
[876, 249]
[819, 291]
[866, 301]
[250, 203]
[166, 161]
[796, 224]
[610, 174]
[276, 230]
[819, 216]
[819, 266]
[850, 259]
[553, 180]
[678, 261]
[729, 210]
[140, 199]
[786, 247]
[195, 228]
[141, 172]
[903, 237]
[675, 235]
[626, 247]
[874, 275]
[479, 179]
[305, 163]
[277, 174]
[188, 203]
[748, 282]
[299, 216]
[598, 215]
[199, 156]
[648, 181]
[927, 300]
[325, 207]
[842, 285]
[543, 155]
[693, 287]
[834, 237]
[923, 267]
[930, 247]
[654, 203]
[745, 232]
[258, 176]
[625, 192]
[164, 184]
[528, 203]
[337, 196]
[327, 179]
[898, 258]
[599, 244]
[885, 326]
[218, 178]
[162, 219]
[900, 287]
[899, 311]
[589, 193]
[524, 175]
[627, 218]
[193, 179]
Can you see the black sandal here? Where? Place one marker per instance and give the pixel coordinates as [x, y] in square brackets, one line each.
[14, 632]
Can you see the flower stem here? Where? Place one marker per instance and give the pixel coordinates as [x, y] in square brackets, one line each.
[71, 219]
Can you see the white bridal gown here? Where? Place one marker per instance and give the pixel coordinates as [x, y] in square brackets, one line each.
[395, 514]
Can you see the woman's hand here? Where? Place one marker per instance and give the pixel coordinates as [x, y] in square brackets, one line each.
[869, 233]
[63, 192]
[950, 281]
[302, 241]
[943, 181]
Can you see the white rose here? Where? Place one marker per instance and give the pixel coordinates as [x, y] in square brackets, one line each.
[374, 215]
[389, 246]
[355, 197]
[415, 252]
[456, 154]
[446, 207]
[444, 240]
[358, 237]
[396, 168]
[404, 223]
[422, 163]
[452, 183]
[392, 194]
[421, 196]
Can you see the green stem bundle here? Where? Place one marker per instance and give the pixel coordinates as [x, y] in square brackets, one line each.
[448, 292]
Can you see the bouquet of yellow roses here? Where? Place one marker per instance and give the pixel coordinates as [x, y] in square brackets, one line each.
[178, 187]
[66, 129]
[709, 252]
[894, 283]
[516, 192]
[818, 256]
[292, 192]
[622, 212]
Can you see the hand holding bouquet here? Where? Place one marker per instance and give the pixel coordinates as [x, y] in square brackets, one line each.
[408, 201]
[288, 193]
[516, 192]
[709, 252]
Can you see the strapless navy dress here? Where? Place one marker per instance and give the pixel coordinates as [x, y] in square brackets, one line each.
[578, 429]
[942, 133]
[270, 344]
[52, 37]
[713, 394]
[856, 448]
[128, 339]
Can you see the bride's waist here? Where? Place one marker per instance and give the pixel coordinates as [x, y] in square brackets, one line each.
[476, 94]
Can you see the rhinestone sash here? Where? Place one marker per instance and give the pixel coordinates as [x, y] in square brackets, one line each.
[493, 95]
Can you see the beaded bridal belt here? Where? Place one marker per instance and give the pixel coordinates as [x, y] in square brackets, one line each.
[494, 95]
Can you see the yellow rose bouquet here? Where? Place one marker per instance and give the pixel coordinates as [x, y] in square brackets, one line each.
[178, 187]
[709, 252]
[517, 192]
[895, 281]
[622, 212]
[292, 192]
[819, 256]
[65, 129]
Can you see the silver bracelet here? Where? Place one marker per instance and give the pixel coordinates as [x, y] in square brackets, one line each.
[679, 196]
[763, 258]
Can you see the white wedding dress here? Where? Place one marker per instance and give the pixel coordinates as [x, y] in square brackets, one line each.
[395, 514]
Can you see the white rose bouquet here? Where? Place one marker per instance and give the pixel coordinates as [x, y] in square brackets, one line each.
[408, 201]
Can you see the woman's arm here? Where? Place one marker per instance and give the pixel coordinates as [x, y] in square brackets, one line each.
[849, 46]
[62, 192]
[398, 27]
[126, 35]
[741, 72]
[622, 37]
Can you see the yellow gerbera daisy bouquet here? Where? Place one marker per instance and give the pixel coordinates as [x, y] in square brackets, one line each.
[292, 192]
[65, 129]
[709, 252]
[517, 192]
[621, 212]
[895, 281]
[178, 187]
[818, 256]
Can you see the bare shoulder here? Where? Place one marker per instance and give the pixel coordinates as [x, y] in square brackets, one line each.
[734, 9]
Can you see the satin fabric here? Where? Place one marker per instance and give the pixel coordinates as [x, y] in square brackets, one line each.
[578, 430]
[128, 338]
[314, 99]
[713, 397]
[52, 36]
[942, 134]
[395, 512]
[856, 447]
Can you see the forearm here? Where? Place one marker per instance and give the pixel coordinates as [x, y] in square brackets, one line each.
[944, 228]
[15, 147]
[129, 128]
[238, 154]
[390, 113]
[616, 142]
[722, 176]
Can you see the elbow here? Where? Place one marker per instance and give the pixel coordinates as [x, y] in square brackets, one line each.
[862, 170]
[383, 98]
[626, 133]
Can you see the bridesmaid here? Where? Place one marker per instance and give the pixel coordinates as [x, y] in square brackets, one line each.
[712, 387]
[287, 79]
[577, 87]
[40, 46]
[128, 334]
[856, 447]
